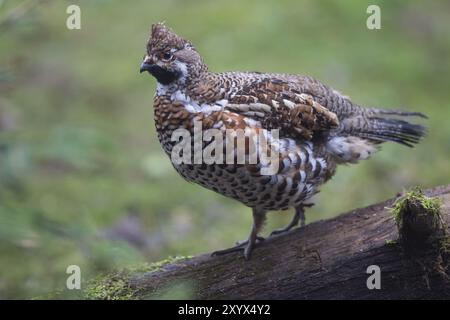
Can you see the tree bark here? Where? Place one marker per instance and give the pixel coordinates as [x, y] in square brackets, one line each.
[323, 260]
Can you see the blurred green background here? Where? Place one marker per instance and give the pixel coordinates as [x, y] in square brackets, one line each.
[83, 179]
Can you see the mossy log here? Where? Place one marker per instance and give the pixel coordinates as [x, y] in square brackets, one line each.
[406, 237]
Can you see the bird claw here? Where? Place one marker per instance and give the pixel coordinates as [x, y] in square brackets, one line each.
[289, 227]
[279, 231]
[244, 242]
[246, 246]
[298, 217]
[286, 229]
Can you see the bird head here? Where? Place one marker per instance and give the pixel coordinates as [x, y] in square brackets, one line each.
[170, 58]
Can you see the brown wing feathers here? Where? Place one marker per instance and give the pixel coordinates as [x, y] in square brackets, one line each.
[277, 106]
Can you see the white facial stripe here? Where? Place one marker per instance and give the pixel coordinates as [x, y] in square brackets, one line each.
[183, 69]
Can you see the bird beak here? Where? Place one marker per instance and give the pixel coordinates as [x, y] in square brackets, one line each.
[145, 66]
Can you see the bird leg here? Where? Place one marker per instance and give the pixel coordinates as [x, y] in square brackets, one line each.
[247, 246]
[299, 216]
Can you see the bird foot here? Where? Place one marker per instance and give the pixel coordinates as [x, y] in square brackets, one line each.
[244, 242]
[299, 216]
[288, 227]
[246, 246]
[281, 230]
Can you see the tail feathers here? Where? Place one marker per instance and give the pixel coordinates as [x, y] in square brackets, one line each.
[359, 133]
[375, 111]
[380, 125]
[388, 129]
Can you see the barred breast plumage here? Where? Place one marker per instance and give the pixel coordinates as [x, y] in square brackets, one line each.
[318, 129]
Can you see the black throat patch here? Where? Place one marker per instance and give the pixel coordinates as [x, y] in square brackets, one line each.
[162, 75]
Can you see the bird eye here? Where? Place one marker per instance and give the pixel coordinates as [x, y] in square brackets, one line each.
[167, 56]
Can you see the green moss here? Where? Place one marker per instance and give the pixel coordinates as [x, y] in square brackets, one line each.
[431, 205]
[116, 285]
[157, 266]
[391, 243]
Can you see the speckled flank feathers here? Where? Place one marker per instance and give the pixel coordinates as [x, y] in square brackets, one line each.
[319, 127]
